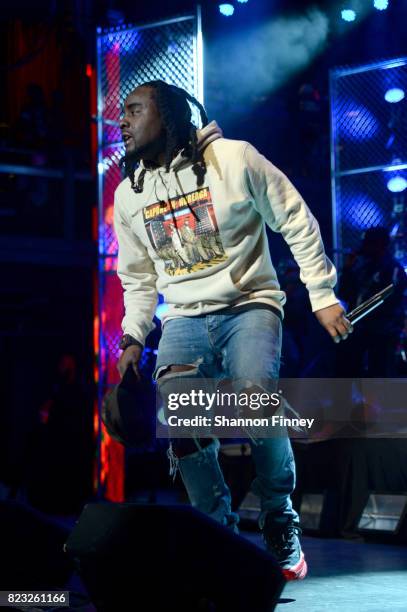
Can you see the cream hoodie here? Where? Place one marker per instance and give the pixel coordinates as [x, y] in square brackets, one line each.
[205, 247]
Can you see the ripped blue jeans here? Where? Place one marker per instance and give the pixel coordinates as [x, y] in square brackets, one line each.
[243, 345]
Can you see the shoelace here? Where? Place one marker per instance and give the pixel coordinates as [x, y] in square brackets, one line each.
[284, 540]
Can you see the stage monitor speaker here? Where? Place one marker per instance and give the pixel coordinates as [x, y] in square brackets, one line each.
[319, 513]
[31, 550]
[170, 558]
[385, 514]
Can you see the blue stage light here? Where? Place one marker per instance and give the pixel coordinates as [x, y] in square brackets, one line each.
[381, 5]
[358, 123]
[397, 184]
[243, 1]
[348, 15]
[394, 230]
[363, 212]
[395, 94]
[226, 9]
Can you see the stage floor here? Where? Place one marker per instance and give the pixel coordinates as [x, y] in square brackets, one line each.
[345, 575]
[349, 576]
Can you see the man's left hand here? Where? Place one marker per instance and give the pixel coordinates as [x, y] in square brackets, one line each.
[333, 319]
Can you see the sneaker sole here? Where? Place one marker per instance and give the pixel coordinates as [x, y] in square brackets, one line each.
[297, 572]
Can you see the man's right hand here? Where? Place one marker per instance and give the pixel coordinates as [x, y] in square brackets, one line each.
[130, 356]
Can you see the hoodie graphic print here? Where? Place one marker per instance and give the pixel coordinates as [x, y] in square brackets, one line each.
[184, 232]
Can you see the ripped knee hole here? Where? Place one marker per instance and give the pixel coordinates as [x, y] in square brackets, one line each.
[175, 368]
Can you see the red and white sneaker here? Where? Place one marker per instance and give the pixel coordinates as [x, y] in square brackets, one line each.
[298, 571]
[283, 542]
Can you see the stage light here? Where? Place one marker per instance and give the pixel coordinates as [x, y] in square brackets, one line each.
[397, 184]
[381, 5]
[395, 94]
[394, 230]
[358, 123]
[363, 212]
[348, 15]
[243, 1]
[226, 9]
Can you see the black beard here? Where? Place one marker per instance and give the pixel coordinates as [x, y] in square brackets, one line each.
[130, 161]
[148, 154]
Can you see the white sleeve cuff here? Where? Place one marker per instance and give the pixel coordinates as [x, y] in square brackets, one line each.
[322, 298]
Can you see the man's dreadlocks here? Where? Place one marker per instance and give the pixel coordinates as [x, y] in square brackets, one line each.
[173, 106]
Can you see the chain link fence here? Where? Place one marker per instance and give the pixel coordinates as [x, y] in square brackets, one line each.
[368, 148]
[127, 57]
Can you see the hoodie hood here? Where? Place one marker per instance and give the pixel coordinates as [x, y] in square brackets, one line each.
[205, 136]
[208, 134]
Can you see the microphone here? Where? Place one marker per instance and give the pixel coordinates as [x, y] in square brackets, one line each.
[372, 303]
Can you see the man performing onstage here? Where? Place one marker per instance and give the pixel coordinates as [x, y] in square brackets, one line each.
[225, 312]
